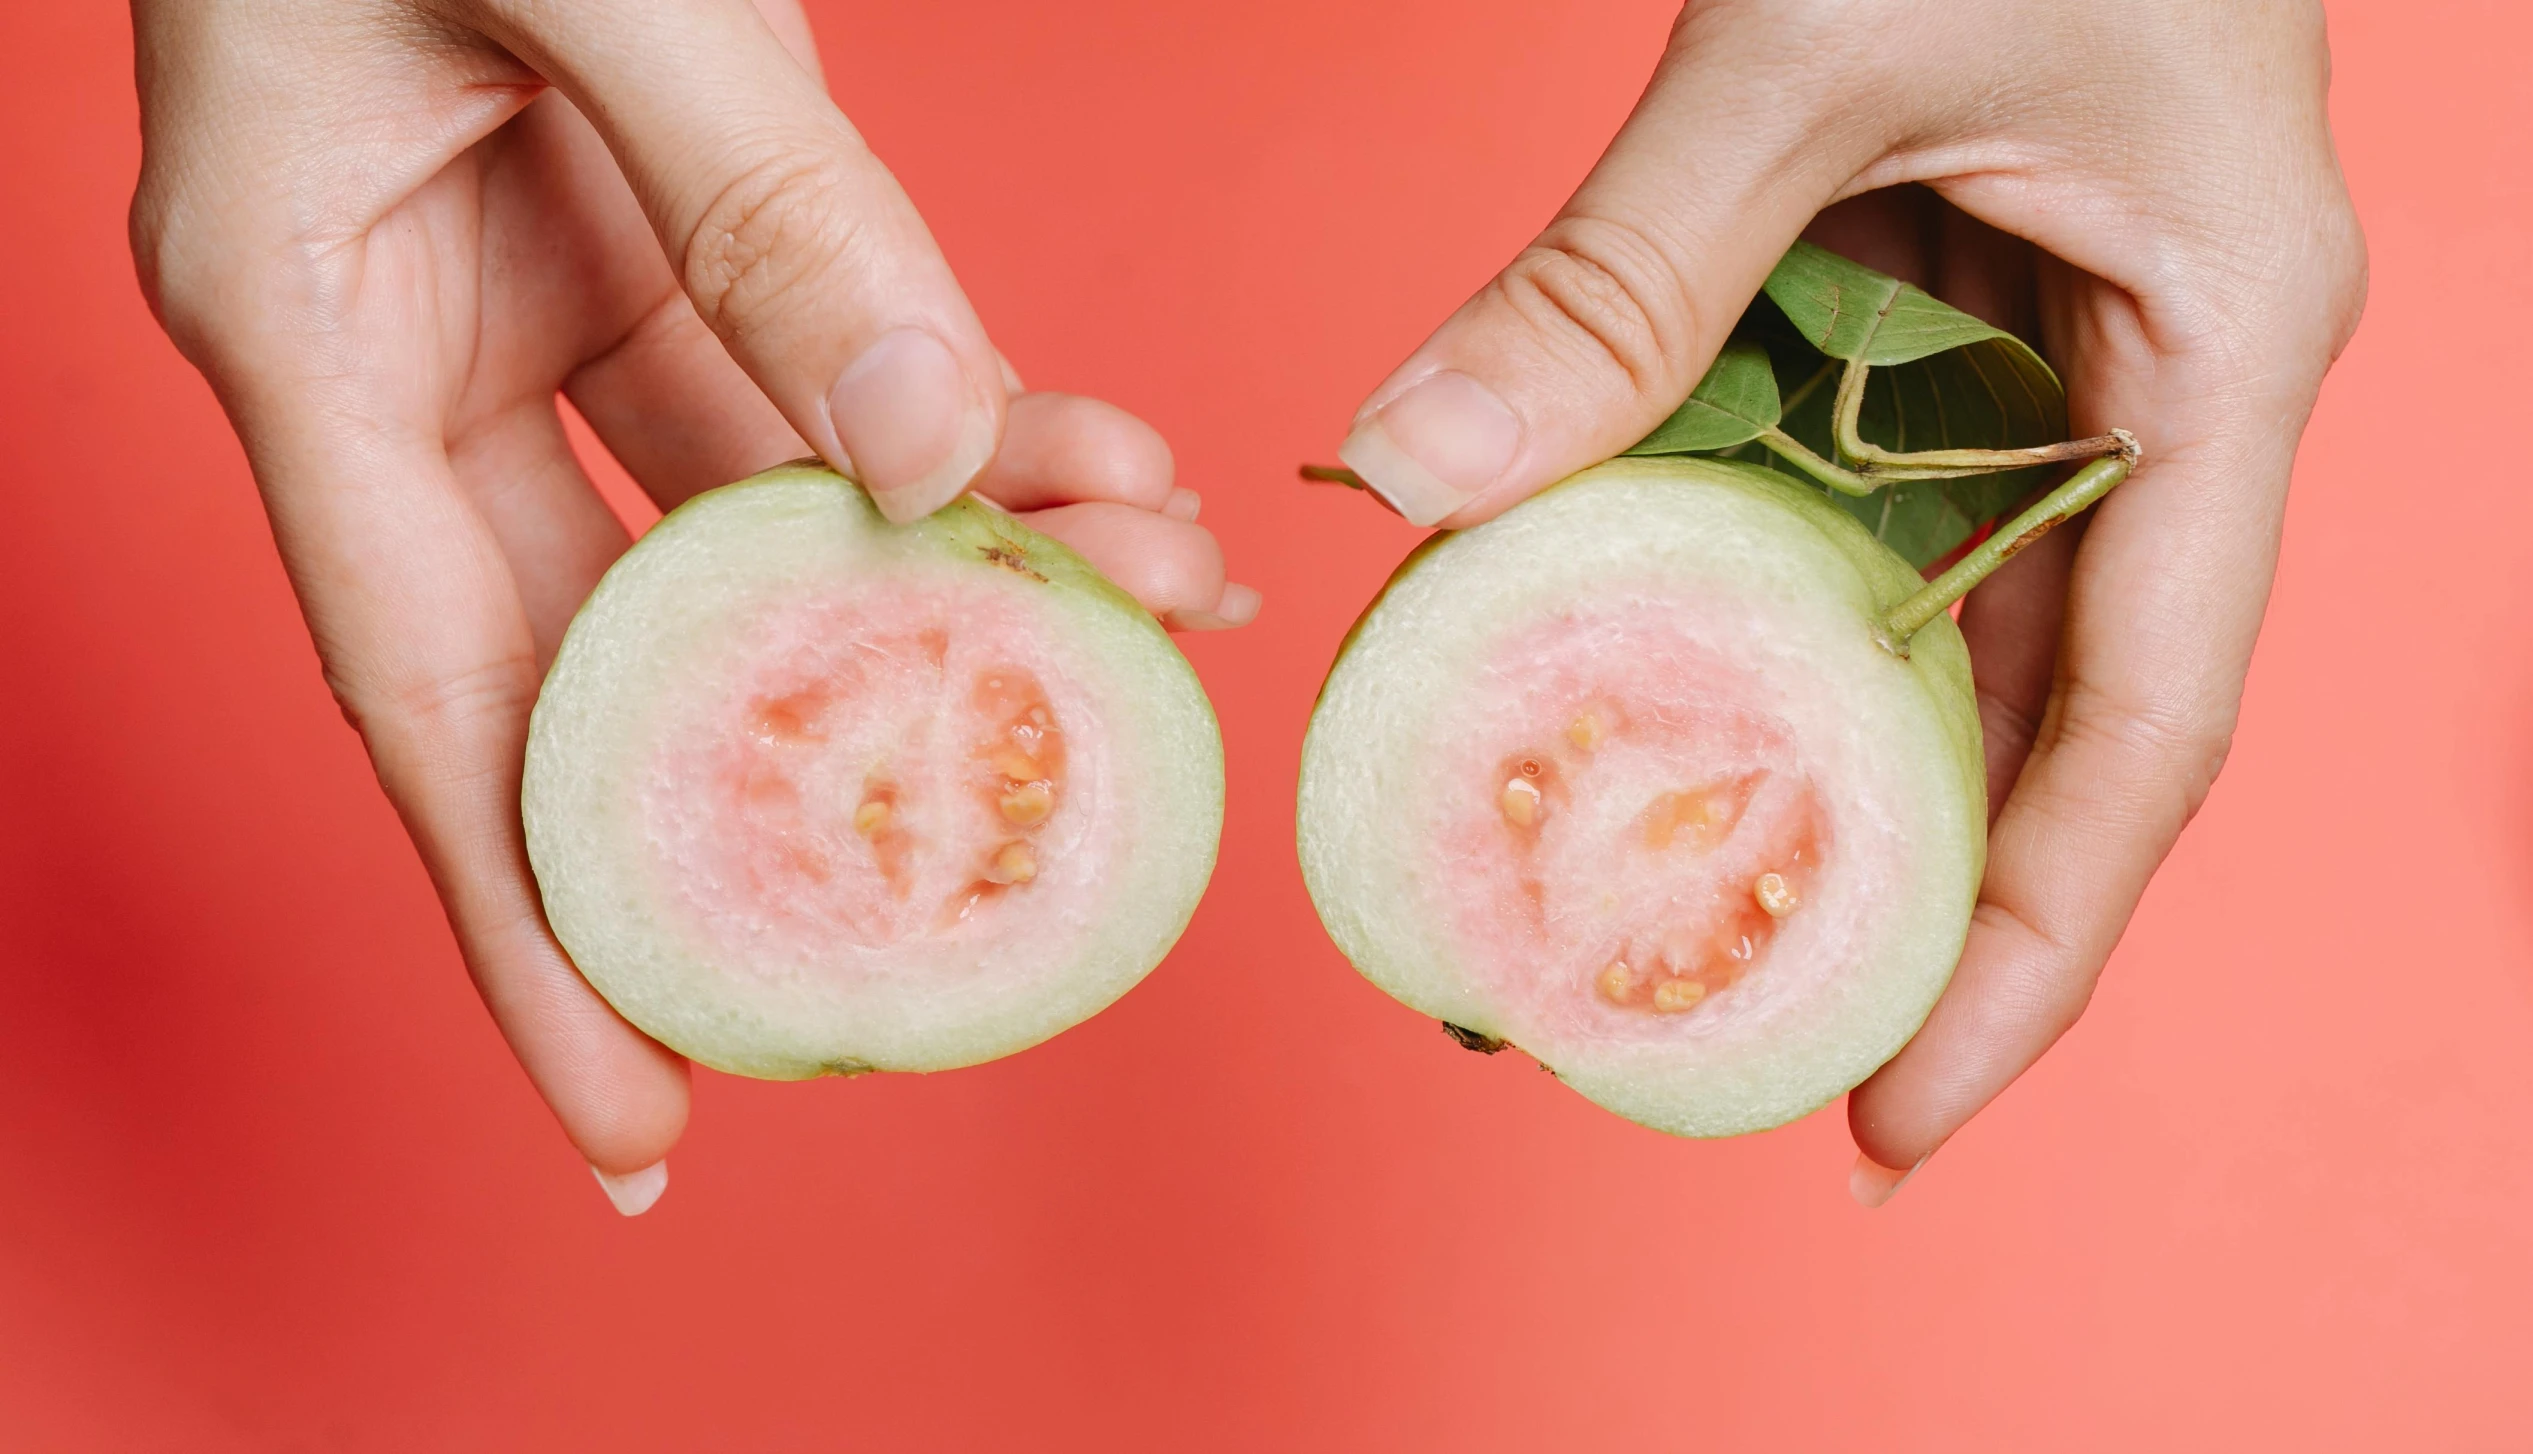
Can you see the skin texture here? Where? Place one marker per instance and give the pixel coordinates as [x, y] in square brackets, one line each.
[2147, 189]
[388, 233]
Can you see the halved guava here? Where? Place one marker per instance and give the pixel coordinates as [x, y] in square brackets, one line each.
[811, 793]
[1623, 778]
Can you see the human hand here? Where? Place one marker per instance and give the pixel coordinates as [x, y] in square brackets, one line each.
[388, 244]
[2146, 188]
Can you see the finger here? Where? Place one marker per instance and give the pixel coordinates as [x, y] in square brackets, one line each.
[798, 249]
[1601, 327]
[2012, 624]
[575, 287]
[1173, 567]
[682, 417]
[2099, 805]
[675, 410]
[1237, 607]
[515, 467]
[2163, 601]
[1063, 449]
[427, 645]
[790, 25]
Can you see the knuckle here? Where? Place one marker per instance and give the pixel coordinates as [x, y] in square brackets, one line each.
[169, 263]
[2053, 978]
[2347, 276]
[777, 224]
[1823, 60]
[2163, 762]
[440, 715]
[228, 283]
[1787, 25]
[1188, 577]
[1604, 296]
[145, 227]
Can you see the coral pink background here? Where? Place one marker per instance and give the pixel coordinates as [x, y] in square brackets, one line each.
[268, 1181]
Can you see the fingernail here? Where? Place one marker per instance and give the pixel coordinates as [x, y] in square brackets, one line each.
[635, 1191]
[903, 413]
[1872, 1183]
[1182, 505]
[1238, 607]
[1432, 448]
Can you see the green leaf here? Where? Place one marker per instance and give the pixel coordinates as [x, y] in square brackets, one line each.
[1979, 397]
[1940, 379]
[1849, 311]
[1734, 404]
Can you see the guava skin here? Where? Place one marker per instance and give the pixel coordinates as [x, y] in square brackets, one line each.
[1622, 779]
[811, 793]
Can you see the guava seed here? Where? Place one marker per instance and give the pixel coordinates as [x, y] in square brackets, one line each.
[1685, 660]
[1776, 895]
[783, 842]
[1028, 805]
[1016, 863]
[1674, 995]
[1617, 981]
[1693, 815]
[1521, 803]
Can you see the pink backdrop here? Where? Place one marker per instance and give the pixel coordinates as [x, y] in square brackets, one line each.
[268, 1180]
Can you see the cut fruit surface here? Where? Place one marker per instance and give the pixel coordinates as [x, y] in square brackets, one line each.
[1623, 779]
[808, 792]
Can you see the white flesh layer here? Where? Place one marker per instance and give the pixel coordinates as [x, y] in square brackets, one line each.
[700, 853]
[1727, 614]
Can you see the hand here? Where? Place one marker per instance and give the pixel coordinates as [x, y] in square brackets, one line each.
[2148, 189]
[388, 244]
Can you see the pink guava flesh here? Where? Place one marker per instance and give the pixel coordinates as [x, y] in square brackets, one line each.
[1631, 829]
[890, 764]
[1623, 779]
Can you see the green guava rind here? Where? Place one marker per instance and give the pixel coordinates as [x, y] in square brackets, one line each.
[1691, 521]
[749, 543]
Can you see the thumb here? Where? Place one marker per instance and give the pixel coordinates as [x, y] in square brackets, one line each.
[796, 245]
[1601, 327]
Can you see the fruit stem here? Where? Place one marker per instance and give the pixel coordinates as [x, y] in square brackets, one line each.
[1329, 474]
[2052, 510]
[1881, 465]
[1845, 481]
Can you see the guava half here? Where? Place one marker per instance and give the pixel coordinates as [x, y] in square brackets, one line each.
[1625, 779]
[811, 793]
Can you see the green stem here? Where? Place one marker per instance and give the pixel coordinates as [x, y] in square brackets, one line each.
[2053, 509]
[1329, 474]
[1936, 464]
[1786, 447]
[1950, 464]
[1847, 410]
